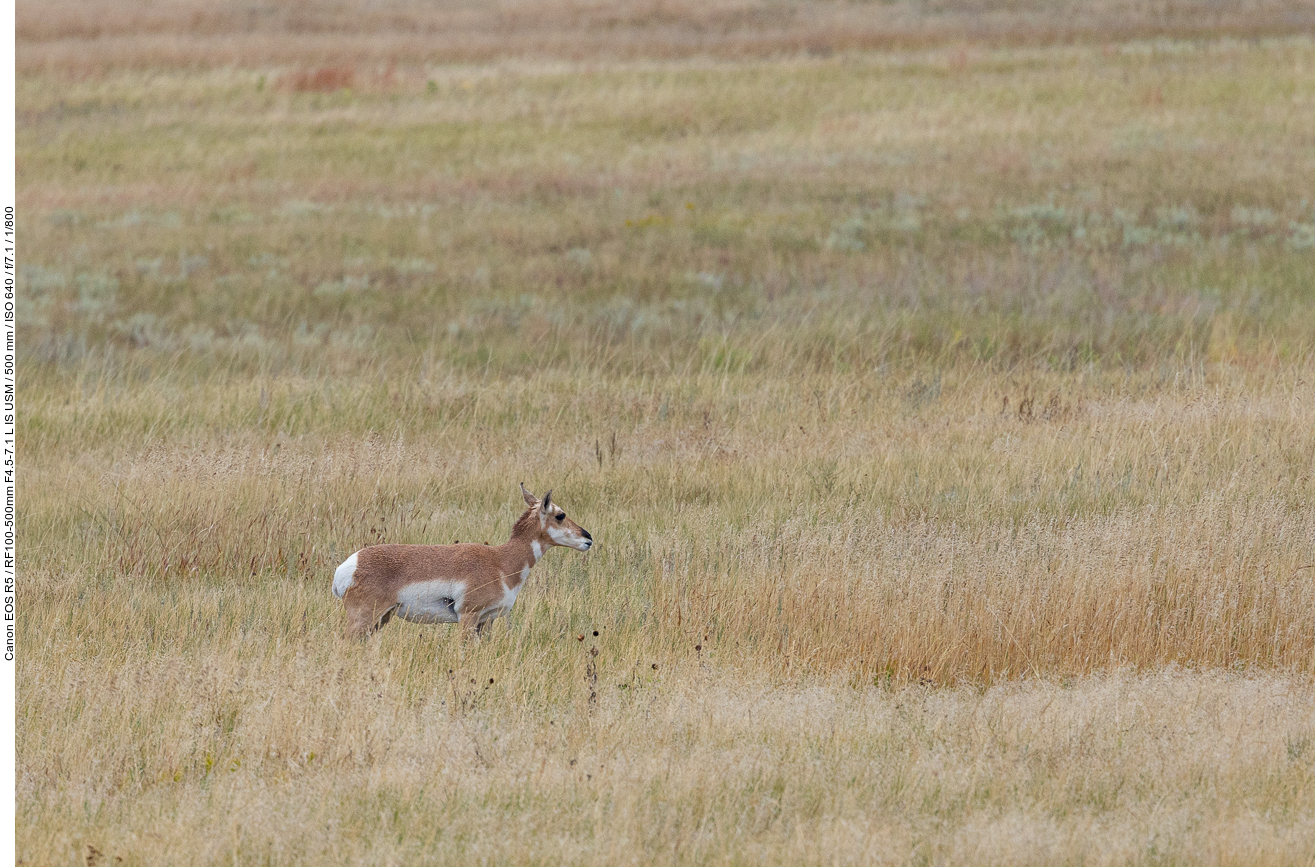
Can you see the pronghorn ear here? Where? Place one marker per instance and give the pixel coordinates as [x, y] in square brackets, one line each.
[547, 500]
[530, 499]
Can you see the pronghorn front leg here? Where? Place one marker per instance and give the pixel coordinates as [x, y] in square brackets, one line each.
[471, 626]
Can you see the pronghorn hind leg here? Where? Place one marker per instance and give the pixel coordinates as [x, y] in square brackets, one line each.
[363, 619]
[381, 620]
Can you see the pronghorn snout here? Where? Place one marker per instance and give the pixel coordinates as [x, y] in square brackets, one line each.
[576, 537]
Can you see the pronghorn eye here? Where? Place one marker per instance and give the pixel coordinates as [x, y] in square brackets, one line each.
[561, 517]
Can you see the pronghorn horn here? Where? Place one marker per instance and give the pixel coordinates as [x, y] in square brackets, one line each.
[530, 499]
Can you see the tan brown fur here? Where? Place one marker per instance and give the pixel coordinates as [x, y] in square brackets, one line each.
[486, 573]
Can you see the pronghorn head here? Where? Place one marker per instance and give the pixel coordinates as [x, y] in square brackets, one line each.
[553, 523]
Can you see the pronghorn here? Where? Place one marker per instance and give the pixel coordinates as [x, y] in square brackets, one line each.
[469, 584]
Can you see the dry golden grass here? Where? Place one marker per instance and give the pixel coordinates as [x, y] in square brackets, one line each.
[393, 762]
[799, 525]
[945, 420]
[798, 629]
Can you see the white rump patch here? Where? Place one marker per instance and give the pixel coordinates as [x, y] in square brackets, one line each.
[431, 601]
[343, 575]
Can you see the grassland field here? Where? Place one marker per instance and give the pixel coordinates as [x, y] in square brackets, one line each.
[942, 405]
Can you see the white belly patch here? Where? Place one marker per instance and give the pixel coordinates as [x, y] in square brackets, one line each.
[431, 602]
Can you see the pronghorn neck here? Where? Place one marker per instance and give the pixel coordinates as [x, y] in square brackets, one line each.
[523, 550]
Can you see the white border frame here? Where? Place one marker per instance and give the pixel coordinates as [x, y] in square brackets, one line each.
[8, 461]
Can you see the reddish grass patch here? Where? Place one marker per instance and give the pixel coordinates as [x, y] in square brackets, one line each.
[322, 79]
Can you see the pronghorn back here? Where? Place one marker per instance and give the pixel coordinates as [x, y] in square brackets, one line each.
[470, 584]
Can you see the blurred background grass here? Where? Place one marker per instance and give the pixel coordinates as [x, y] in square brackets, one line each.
[1067, 209]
